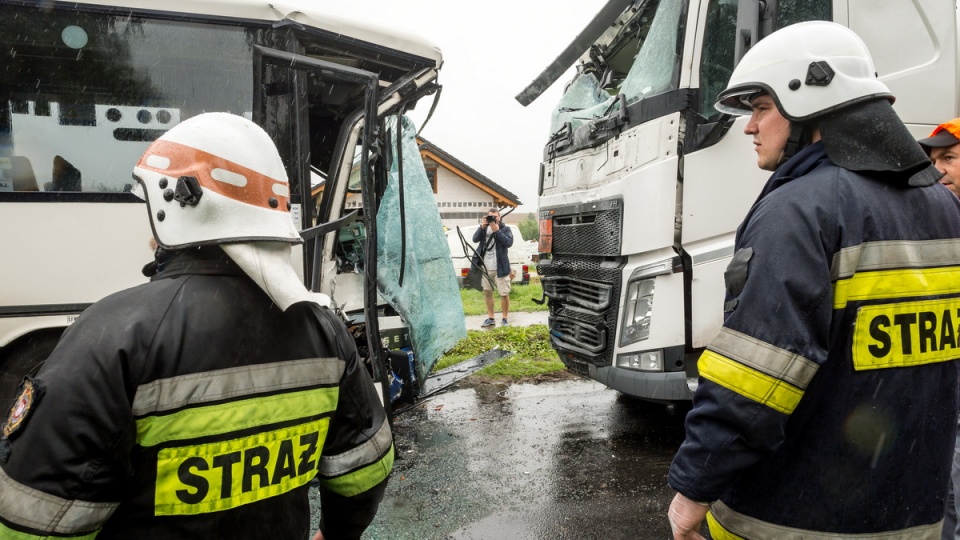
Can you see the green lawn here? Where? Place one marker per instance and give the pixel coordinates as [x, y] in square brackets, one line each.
[521, 299]
[531, 345]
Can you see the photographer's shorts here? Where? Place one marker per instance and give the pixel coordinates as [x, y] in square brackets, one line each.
[503, 283]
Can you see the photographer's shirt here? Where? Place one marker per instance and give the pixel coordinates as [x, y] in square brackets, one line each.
[490, 252]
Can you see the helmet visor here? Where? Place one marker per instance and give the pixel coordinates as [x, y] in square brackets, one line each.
[736, 101]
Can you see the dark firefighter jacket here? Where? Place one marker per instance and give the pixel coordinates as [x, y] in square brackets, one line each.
[193, 407]
[826, 403]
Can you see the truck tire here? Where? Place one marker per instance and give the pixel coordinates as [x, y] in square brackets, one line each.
[23, 357]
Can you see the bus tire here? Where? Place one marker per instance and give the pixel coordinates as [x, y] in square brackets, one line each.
[21, 358]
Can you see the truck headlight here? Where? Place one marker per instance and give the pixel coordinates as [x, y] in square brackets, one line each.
[638, 311]
[642, 361]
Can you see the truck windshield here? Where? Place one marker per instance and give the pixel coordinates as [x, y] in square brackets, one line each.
[83, 94]
[642, 59]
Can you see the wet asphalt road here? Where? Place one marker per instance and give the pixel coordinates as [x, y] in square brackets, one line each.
[555, 460]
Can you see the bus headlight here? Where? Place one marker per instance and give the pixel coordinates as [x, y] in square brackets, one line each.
[642, 361]
[637, 311]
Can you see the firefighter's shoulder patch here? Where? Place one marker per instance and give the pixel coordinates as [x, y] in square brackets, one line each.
[31, 390]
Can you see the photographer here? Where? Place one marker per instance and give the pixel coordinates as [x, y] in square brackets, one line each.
[493, 239]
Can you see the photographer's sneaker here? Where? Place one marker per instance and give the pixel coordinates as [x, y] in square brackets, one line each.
[488, 323]
[504, 323]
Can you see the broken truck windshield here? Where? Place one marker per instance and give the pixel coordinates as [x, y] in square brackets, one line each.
[641, 60]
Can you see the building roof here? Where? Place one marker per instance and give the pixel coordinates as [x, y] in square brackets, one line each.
[467, 172]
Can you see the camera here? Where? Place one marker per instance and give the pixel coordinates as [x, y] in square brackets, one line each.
[489, 219]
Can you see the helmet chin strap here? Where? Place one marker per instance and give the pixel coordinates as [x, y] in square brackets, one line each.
[798, 140]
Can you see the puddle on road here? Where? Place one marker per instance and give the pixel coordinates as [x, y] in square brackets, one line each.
[556, 460]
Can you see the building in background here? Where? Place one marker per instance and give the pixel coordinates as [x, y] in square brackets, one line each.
[462, 193]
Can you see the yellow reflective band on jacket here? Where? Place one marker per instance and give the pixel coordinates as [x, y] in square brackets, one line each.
[894, 284]
[223, 475]
[728, 524]
[7, 533]
[363, 479]
[749, 383]
[717, 532]
[906, 334]
[234, 416]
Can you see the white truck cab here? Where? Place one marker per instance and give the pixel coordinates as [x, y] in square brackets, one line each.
[643, 182]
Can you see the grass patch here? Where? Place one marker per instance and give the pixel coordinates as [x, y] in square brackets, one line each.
[531, 345]
[521, 299]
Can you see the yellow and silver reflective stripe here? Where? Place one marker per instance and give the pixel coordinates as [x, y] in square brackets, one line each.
[759, 371]
[891, 254]
[23, 505]
[363, 479]
[177, 392]
[235, 415]
[727, 524]
[892, 284]
[222, 475]
[364, 454]
[895, 269]
[762, 356]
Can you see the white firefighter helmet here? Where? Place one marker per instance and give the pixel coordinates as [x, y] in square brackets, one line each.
[215, 178]
[809, 68]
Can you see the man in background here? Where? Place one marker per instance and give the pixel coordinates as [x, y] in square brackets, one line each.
[943, 147]
[493, 240]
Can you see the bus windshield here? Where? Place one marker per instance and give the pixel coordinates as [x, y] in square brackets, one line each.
[82, 94]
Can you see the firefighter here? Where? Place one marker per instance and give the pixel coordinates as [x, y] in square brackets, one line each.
[203, 403]
[827, 403]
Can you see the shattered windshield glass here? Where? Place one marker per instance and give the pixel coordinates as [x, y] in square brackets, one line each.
[428, 298]
[579, 102]
[653, 70]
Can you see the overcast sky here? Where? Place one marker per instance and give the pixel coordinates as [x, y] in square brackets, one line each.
[491, 51]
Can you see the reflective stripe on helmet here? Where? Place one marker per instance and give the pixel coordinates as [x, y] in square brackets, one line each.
[220, 175]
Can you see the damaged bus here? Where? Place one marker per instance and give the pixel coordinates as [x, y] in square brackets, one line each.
[86, 86]
[643, 183]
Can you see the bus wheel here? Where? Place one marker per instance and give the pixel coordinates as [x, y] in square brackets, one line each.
[23, 357]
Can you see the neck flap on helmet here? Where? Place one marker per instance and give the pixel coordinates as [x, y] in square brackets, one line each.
[268, 265]
[870, 138]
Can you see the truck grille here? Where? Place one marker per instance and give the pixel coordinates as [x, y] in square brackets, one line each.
[594, 232]
[590, 339]
[584, 296]
[589, 294]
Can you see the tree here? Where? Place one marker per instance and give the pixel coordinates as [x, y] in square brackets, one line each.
[529, 227]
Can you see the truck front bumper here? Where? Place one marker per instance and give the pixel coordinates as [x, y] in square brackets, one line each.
[662, 387]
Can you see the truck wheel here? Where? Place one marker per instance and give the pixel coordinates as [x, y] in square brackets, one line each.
[23, 357]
